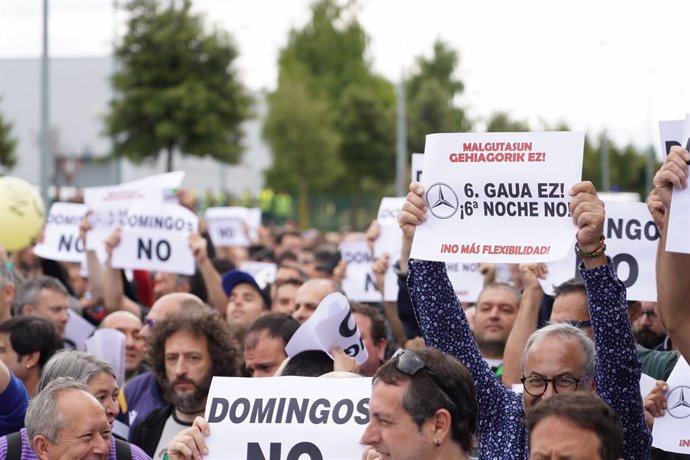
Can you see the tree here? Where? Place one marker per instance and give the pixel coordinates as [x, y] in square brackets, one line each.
[303, 142]
[177, 88]
[500, 122]
[431, 90]
[7, 144]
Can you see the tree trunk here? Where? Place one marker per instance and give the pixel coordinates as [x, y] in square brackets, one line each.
[303, 204]
[169, 157]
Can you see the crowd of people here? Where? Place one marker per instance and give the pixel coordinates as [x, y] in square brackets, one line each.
[518, 374]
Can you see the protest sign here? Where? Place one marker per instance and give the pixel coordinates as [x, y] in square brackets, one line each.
[233, 226]
[498, 197]
[109, 345]
[359, 283]
[466, 279]
[279, 418]
[417, 165]
[109, 204]
[671, 133]
[331, 325]
[631, 242]
[558, 272]
[264, 273]
[77, 330]
[670, 432]
[678, 234]
[61, 239]
[155, 237]
[389, 242]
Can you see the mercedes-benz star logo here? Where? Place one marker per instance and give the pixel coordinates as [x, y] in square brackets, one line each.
[442, 200]
[679, 402]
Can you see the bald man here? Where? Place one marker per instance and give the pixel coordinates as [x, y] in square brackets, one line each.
[309, 296]
[130, 325]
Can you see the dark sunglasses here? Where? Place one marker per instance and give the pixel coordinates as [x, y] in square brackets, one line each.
[152, 323]
[410, 363]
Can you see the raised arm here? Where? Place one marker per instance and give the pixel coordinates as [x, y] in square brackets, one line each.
[211, 277]
[525, 322]
[114, 298]
[617, 369]
[673, 291]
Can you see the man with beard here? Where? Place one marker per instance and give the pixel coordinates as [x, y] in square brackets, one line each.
[187, 350]
[648, 330]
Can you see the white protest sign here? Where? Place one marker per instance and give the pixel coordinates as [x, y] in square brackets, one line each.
[498, 197]
[77, 330]
[155, 237]
[287, 418]
[61, 237]
[558, 272]
[678, 236]
[109, 345]
[331, 325]
[466, 279]
[264, 273]
[417, 165]
[390, 242]
[631, 242]
[647, 384]
[233, 226]
[671, 133]
[670, 432]
[172, 181]
[359, 283]
[109, 206]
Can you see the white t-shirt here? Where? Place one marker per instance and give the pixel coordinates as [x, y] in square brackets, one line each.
[172, 428]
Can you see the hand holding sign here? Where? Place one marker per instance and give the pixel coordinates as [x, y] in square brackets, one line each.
[330, 326]
[413, 211]
[588, 214]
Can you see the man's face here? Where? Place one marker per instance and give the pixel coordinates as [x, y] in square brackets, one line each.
[130, 326]
[188, 368]
[265, 356]
[571, 307]
[376, 351]
[495, 313]
[391, 430]
[245, 305]
[284, 299]
[10, 358]
[308, 297]
[555, 438]
[649, 332]
[290, 243]
[164, 283]
[553, 357]
[52, 305]
[86, 432]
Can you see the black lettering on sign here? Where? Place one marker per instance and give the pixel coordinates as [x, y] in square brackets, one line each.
[353, 350]
[418, 176]
[387, 213]
[254, 451]
[634, 270]
[226, 232]
[66, 241]
[363, 410]
[218, 403]
[632, 230]
[146, 248]
[670, 144]
[345, 329]
[370, 283]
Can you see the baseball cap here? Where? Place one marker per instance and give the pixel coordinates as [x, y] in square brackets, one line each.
[232, 278]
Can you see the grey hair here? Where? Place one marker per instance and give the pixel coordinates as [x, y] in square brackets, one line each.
[564, 332]
[43, 416]
[77, 365]
[30, 290]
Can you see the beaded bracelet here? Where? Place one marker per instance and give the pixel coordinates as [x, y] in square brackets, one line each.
[596, 253]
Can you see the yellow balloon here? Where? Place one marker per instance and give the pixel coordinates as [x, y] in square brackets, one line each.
[21, 213]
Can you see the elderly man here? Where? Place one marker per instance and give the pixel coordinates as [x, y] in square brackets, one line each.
[43, 296]
[554, 360]
[130, 325]
[66, 421]
[422, 407]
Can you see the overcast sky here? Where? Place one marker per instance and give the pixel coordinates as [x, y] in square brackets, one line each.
[614, 65]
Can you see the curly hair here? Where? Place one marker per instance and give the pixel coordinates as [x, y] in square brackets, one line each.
[222, 345]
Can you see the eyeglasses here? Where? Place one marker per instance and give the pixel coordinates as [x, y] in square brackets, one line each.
[578, 324]
[410, 363]
[536, 386]
[152, 323]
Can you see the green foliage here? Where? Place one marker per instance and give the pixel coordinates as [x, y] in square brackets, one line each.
[431, 90]
[500, 122]
[7, 144]
[176, 87]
